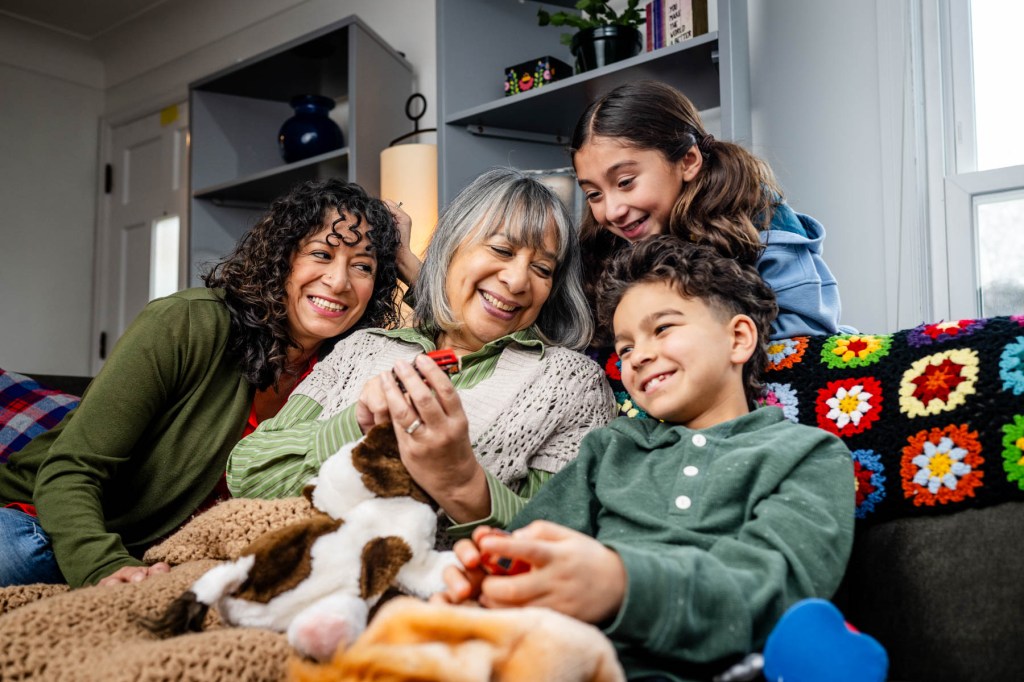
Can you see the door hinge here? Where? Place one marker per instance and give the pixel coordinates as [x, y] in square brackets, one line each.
[108, 179]
[103, 345]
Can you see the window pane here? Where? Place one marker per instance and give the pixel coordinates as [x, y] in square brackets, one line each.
[998, 56]
[163, 277]
[1001, 253]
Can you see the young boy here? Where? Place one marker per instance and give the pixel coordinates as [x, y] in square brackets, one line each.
[685, 536]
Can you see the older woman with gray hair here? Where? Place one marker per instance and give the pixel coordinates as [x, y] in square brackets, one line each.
[500, 286]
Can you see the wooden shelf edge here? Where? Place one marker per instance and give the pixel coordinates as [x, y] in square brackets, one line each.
[224, 188]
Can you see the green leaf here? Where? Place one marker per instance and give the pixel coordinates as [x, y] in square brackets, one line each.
[595, 13]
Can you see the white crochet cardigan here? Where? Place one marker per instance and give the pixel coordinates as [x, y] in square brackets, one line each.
[531, 413]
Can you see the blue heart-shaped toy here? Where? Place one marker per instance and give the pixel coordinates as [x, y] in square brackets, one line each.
[813, 643]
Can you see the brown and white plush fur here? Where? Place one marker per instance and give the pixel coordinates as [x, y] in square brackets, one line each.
[317, 579]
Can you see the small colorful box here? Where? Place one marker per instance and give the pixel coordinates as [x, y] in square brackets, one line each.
[534, 74]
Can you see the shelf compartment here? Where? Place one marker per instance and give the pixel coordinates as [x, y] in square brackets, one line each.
[305, 65]
[254, 189]
[554, 108]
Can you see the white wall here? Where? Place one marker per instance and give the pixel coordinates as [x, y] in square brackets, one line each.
[816, 120]
[51, 98]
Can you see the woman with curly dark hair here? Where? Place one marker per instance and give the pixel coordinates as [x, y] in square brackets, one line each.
[195, 372]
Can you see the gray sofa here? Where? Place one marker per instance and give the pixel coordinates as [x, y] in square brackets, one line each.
[937, 578]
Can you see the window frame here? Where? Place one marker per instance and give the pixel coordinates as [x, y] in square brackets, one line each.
[955, 184]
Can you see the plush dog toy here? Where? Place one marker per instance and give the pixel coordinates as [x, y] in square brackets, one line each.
[317, 579]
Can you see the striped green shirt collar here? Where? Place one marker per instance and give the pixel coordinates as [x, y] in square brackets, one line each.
[524, 337]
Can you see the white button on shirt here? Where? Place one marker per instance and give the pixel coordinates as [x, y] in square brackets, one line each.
[699, 440]
[690, 471]
[683, 502]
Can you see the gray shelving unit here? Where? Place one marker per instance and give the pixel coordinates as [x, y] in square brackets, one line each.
[481, 128]
[236, 169]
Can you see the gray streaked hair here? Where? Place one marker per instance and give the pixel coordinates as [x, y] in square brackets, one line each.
[520, 207]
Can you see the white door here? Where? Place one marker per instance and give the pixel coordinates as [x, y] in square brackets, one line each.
[143, 238]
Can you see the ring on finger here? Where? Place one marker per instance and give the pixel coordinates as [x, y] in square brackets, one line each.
[412, 427]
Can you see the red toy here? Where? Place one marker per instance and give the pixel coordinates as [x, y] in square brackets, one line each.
[502, 565]
[445, 358]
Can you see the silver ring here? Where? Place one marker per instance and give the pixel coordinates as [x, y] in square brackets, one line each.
[412, 427]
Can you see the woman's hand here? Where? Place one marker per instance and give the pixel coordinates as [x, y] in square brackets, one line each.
[135, 574]
[569, 572]
[372, 405]
[433, 438]
[408, 264]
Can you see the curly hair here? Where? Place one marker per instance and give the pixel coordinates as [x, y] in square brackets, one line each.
[253, 276]
[695, 271]
[730, 201]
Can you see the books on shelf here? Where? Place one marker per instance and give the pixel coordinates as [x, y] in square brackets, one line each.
[671, 21]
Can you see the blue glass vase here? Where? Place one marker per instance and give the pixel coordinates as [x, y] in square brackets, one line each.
[310, 131]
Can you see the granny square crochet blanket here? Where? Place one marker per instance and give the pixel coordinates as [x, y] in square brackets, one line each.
[933, 416]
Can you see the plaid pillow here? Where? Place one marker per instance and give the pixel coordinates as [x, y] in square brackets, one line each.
[27, 410]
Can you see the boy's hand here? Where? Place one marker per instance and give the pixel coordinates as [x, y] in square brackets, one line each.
[462, 583]
[570, 572]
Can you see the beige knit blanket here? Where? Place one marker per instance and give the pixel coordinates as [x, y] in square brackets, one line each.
[92, 634]
[50, 633]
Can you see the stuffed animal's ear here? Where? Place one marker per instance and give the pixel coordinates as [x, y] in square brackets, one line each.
[382, 559]
[382, 441]
[307, 492]
[184, 614]
[380, 465]
[282, 558]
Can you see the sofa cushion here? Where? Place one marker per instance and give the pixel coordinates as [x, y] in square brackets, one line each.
[27, 409]
[943, 594]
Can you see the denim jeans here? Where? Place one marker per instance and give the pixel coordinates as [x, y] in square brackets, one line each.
[26, 554]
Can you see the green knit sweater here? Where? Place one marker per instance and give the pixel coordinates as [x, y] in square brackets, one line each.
[720, 530]
[146, 445]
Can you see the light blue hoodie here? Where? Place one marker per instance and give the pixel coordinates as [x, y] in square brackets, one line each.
[791, 264]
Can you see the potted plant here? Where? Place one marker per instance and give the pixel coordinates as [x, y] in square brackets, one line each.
[603, 36]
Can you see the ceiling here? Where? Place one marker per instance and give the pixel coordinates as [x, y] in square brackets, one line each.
[86, 20]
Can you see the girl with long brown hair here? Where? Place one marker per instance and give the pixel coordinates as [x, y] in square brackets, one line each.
[648, 166]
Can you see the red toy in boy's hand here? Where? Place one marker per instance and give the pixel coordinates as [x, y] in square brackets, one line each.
[501, 565]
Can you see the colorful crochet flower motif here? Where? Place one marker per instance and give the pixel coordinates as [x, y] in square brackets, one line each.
[927, 334]
[855, 350]
[942, 465]
[627, 408]
[1013, 451]
[783, 353]
[868, 480]
[1011, 366]
[782, 396]
[938, 382]
[849, 406]
[613, 367]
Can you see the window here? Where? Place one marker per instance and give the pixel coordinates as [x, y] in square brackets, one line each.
[984, 174]
[163, 277]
